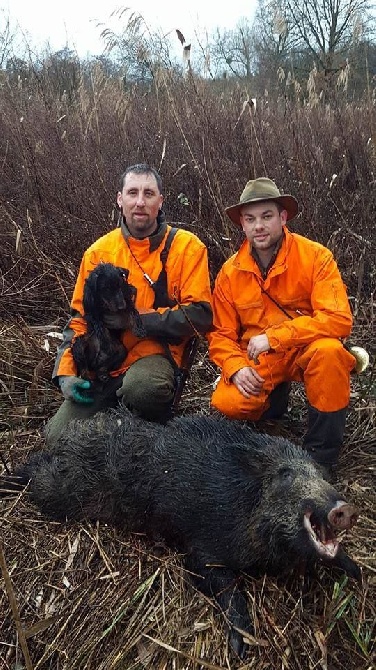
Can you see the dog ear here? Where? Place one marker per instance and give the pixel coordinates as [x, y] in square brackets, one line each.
[79, 351]
[91, 299]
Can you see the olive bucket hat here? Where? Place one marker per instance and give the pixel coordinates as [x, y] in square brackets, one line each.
[262, 189]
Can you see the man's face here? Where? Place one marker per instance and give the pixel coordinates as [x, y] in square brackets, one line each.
[262, 223]
[140, 201]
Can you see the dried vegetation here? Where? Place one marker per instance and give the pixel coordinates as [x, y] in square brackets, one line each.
[84, 596]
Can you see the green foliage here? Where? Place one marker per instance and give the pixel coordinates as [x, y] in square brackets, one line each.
[343, 608]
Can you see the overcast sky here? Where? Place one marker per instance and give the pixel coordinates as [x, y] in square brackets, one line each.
[74, 23]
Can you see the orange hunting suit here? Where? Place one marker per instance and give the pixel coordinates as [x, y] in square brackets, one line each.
[187, 282]
[305, 281]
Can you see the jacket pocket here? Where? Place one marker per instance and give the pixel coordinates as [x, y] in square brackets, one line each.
[251, 316]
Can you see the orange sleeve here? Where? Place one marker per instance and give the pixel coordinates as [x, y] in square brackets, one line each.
[331, 315]
[224, 347]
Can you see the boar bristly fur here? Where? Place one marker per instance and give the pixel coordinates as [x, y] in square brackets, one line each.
[231, 499]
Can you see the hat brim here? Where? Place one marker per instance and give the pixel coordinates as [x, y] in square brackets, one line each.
[288, 202]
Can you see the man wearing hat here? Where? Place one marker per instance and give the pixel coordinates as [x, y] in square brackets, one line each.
[280, 311]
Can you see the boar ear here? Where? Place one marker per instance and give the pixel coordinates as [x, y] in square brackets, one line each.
[251, 461]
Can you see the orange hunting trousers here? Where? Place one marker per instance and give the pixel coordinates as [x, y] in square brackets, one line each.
[323, 366]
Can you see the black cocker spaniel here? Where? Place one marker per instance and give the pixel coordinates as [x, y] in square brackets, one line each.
[101, 350]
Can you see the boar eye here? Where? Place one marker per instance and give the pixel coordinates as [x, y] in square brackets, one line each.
[285, 475]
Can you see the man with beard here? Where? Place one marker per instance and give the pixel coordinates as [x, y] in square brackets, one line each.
[280, 313]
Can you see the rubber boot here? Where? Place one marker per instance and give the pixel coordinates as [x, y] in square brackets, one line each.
[324, 436]
[278, 402]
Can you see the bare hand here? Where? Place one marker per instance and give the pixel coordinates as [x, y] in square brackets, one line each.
[257, 344]
[248, 382]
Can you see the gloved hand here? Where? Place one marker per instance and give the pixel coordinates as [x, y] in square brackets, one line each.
[75, 388]
[116, 320]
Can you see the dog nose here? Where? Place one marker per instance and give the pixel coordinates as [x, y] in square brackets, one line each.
[119, 303]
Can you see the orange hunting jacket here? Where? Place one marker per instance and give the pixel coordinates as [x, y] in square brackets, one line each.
[304, 280]
[187, 281]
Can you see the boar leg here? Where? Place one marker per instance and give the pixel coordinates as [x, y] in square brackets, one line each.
[222, 584]
[345, 563]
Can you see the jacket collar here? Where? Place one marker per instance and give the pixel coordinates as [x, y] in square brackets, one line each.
[154, 240]
[265, 270]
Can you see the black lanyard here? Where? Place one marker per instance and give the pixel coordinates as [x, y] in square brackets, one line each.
[282, 309]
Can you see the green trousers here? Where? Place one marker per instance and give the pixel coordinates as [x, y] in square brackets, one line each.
[147, 389]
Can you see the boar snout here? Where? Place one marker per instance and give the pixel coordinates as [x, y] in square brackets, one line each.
[343, 516]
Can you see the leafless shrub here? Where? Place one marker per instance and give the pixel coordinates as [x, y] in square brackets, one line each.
[114, 602]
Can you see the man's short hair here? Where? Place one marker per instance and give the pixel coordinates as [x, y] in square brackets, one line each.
[141, 168]
[280, 207]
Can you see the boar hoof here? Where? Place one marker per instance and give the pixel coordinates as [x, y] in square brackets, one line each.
[345, 563]
[237, 643]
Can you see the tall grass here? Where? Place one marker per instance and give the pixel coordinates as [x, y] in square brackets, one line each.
[61, 157]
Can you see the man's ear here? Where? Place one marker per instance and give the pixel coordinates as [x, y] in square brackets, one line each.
[283, 216]
[119, 199]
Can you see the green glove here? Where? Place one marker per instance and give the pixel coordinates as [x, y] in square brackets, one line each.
[75, 388]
